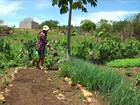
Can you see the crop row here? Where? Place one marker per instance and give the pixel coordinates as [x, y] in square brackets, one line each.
[116, 89]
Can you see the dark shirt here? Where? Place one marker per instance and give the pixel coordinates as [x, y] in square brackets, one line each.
[41, 41]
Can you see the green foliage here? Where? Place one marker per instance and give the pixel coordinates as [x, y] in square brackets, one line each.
[84, 47]
[74, 32]
[69, 5]
[108, 50]
[87, 25]
[124, 94]
[91, 76]
[1, 44]
[30, 47]
[103, 25]
[119, 25]
[133, 47]
[24, 52]
[128, 72]
[5, 48]
[112, 49]
[127, 28]
[1, 67]
[133, 62]
[80, 4]
[52, 57]
[81, 49]
[5, 30]
[17, 53]
[135, 25]
[22, 35]
[51, 23]
[115, 88]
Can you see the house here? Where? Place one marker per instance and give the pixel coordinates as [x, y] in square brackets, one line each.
[28, 23]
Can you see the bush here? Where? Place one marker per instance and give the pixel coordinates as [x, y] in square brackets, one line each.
[5, 30]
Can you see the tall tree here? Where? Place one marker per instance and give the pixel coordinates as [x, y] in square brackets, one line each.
[69, 5]
[121, 27]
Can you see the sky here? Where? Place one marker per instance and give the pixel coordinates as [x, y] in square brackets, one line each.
[14, 11]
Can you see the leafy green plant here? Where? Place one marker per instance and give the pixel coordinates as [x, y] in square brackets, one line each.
[73, 32]
[1, 67]
[110, 49]
[124, 63]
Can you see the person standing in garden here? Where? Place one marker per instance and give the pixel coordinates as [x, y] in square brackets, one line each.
[41, 43]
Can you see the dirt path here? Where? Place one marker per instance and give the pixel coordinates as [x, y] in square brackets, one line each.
[31, 88]
[35, 87]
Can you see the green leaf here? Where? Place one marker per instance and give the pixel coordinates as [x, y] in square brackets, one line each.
[63, 9]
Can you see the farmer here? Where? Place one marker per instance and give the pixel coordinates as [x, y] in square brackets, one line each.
[40, 46]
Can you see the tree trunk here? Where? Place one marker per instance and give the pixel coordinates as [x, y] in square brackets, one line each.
[68, 31]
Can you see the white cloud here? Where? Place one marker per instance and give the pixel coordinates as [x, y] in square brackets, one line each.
[40, 19]
[41, 4]
[9, 7]
[37, 20]
[110, 16]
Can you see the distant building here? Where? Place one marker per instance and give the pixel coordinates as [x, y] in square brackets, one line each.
[28, 23]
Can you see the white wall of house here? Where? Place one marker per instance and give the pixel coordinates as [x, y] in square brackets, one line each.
[28, 24]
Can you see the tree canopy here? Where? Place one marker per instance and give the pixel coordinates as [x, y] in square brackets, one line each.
[50, 23]
[87, 25]
[76, 4]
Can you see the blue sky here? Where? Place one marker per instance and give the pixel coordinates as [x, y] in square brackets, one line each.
[14, 11]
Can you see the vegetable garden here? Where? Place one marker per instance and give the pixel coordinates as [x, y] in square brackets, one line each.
[86, 65]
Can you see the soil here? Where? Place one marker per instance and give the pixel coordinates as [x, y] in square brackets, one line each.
[40, 87]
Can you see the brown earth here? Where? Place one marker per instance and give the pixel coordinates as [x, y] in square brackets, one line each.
[39, 87]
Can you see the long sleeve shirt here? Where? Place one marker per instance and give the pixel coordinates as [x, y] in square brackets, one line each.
[41, 41]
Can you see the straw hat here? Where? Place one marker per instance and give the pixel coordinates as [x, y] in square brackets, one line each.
[46, 28]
